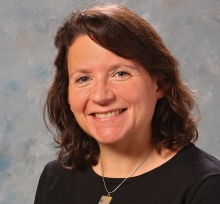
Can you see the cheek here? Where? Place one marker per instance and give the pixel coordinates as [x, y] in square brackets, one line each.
[77, 100]
[145, 97]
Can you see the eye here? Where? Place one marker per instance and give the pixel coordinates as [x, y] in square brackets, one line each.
[122, 74]
[82, 79]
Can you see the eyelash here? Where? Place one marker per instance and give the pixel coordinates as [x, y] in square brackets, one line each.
[122, 72]
[119, 74]
[82, 79]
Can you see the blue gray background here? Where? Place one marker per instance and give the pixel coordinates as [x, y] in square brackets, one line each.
[191, 30]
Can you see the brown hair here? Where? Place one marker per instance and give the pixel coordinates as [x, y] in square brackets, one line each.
[126, 34]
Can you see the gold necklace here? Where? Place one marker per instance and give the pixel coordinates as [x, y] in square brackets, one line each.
[107, 199]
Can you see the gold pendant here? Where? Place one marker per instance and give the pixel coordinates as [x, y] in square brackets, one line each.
[105, 200]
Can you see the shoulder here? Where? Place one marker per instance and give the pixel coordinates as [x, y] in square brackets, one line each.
[199, 160]
[55, 178]
[53, 170]
[204, 173]
[52, 167]
[46, 179]
[192, 166]
[196, 172]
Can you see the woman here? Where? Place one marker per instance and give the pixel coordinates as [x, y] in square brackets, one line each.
[123, 118]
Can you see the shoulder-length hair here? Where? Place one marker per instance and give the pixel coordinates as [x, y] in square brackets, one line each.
[126, 34]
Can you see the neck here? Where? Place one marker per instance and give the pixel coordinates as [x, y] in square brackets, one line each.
[119, 162]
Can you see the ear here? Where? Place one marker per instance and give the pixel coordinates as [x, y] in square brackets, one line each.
[160, 88]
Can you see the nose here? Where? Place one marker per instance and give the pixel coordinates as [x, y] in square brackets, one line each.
[102, 93]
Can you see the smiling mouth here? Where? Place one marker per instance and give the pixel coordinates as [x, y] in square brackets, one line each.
[108, 114]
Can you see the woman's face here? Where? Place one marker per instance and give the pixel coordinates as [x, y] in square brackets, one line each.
[112, 98]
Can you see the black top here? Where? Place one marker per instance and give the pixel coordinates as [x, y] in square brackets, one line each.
[191, 177]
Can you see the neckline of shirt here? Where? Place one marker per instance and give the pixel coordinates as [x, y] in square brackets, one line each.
[155, 171]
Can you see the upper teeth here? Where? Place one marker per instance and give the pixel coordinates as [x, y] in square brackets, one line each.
[108, 114]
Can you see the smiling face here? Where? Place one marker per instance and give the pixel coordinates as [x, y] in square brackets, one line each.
[112, 98]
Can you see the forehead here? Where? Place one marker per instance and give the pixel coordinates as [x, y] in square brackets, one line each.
[85, 55]
[84, 52]
[83, 46]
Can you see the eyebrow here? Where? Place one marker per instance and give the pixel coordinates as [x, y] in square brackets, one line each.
[111, 67]
[80, 70]
[115, 66]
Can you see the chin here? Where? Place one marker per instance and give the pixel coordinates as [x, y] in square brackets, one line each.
[110, 139]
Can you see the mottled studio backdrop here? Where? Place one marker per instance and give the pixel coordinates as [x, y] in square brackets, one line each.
[190, 28]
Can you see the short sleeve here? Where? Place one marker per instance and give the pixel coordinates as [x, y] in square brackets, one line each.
[208, 192]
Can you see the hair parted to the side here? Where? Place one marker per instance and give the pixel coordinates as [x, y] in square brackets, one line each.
[126, 34]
